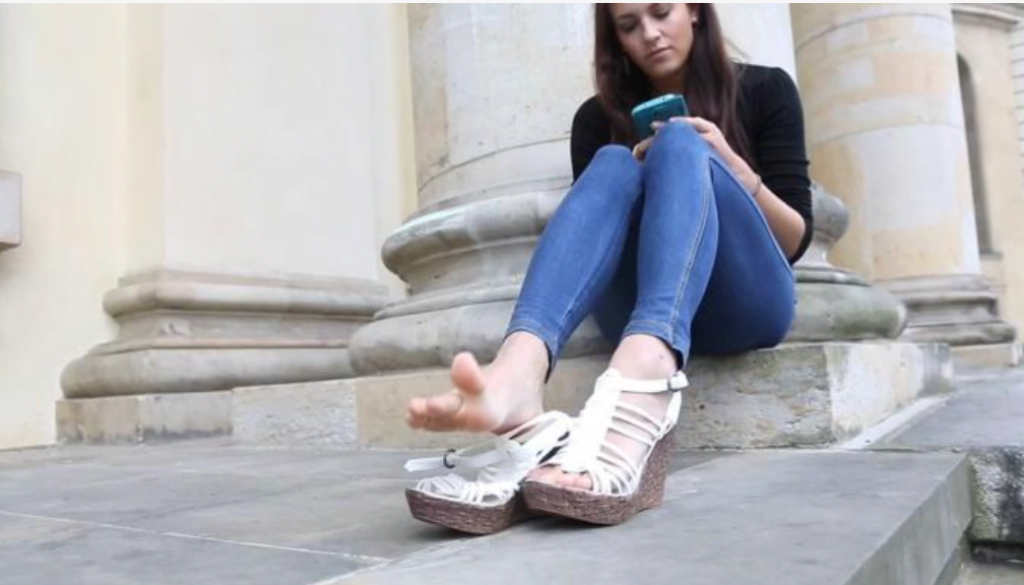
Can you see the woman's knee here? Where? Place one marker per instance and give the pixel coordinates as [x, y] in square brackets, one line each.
[616, 154]
[676, 139]
[613, 178]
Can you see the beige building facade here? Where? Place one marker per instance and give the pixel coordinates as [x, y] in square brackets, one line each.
[196, 199]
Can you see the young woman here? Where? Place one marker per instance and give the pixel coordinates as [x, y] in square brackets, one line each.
[678, 244]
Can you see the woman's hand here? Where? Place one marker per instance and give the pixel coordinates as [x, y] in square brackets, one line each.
[713, 136]
[640, 150]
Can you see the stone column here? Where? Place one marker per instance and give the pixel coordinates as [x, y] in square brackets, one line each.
[495, 88]
[10, 210]
[985, 37]
[250, 218]
[886, 135]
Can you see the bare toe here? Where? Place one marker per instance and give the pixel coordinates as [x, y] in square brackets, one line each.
[416, 414]
[546, 474]
[444, 406]
[581, 481]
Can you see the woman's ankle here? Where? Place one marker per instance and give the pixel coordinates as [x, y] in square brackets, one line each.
[645, 357]
[527, 353]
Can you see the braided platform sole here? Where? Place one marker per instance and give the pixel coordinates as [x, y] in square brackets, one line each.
[466, 517]
[601, 509]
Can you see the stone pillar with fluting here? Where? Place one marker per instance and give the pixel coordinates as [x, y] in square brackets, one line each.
[885, 130]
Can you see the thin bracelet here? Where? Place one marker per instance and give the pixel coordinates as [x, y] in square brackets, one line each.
[757, 189]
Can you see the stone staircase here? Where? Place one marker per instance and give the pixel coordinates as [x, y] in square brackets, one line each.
[826, 473]
[817, 468]
[767, 517]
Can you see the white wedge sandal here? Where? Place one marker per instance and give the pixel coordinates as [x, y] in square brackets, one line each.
[620, 487]
[492, 500]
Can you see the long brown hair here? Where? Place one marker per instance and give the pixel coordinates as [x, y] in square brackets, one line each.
[711, 79]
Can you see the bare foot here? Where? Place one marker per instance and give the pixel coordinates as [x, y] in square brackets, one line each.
[640, 357]
[498, 398]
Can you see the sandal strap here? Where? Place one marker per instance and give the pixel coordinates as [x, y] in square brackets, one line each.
[503, 461]
[539, 430]
[457, 458]
[589, 450]
[677, 382]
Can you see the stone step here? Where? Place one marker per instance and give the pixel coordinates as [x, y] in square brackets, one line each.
[998, 355]
[793, 395]
[768, 517]
[984, 574]
[984, 419]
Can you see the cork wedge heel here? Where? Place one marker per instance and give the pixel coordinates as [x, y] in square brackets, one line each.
[620, 487]
[492, 500]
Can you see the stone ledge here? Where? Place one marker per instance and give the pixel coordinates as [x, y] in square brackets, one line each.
[322, 414]
[144, 418]
[794, 395]
[800, 518]
[983, 420]
[1000, 355]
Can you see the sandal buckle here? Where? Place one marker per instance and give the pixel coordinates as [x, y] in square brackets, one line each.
[445, 461]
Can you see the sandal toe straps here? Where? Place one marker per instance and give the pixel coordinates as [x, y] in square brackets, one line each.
[589, 451]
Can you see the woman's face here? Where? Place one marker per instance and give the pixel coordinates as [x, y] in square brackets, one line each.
[656, 37]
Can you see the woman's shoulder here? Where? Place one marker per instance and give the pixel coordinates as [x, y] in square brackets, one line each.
[590, 111]
[591, 120]
[761, 79]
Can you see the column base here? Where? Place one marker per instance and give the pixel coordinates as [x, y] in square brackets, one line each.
[144, 419]
[1001, 355]
[183, 332]
[432, 339]
[959, 310]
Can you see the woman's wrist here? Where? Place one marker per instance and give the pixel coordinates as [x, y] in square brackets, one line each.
[749, 179]
[756, 188]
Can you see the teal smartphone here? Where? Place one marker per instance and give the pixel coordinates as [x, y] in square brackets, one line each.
[659, 109]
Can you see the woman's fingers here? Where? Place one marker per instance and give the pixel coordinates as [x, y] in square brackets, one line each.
[640, 150]
[699, 124]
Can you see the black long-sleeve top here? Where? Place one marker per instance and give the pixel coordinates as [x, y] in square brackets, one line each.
[769, 109]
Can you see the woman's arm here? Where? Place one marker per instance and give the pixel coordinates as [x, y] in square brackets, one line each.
[786, 224]
[780, 150]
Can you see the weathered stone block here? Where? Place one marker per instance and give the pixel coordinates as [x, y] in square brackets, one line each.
[812, 394]
[143, 418]
[316, 413]
[1000, 355]
[983, 420]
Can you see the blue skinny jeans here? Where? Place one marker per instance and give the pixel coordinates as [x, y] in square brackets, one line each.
[673, 247]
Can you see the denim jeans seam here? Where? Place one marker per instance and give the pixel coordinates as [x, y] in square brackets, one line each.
[685, 281]
[573, 305]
